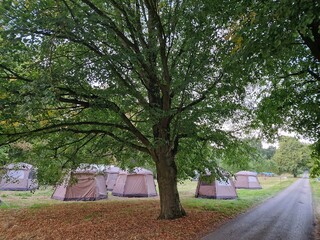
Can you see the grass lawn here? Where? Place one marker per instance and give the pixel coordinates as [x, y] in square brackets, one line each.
[315, 186]
[22, 199]
[24, 215]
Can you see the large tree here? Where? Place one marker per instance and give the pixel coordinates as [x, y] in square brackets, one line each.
[147, 75]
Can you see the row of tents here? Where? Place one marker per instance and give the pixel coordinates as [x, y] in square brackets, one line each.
[86, 183]
[226, 189]
[91, 182]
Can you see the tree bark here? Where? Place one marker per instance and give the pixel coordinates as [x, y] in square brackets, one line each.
[171, 207]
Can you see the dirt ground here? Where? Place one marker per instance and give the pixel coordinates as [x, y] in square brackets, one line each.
[104, 220]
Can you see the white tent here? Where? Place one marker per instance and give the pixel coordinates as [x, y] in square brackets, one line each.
[19, 177]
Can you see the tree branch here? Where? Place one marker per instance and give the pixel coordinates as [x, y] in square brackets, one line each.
[313, 45]
[63, 126]
[110, 134]
[313, 74]
[115, 108]
[112, 26]
[16, 75]
[202, 97]
[294, 74]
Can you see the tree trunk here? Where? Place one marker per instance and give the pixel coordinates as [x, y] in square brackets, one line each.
[167, 180]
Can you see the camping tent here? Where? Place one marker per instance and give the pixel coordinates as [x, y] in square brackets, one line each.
[111, 175]
[209, 187]
[246, 179]
[110, 172]
[19, 177]
[138, 183]
[81, 185]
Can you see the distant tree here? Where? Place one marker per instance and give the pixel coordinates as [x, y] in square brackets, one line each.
[254, 157]
[268, 152]
[292, 156]
[262, 160]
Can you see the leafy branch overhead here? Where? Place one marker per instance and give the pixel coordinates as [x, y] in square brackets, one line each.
[279, 42]
[123, 59]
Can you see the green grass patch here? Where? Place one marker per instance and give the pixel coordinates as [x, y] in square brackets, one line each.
[315, 186]
[26, 199]
[7, 205]
[88, 217]
[23, 194]
[246, 198]
[44, 191]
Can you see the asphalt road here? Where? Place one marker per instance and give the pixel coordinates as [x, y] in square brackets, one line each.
[287, 216]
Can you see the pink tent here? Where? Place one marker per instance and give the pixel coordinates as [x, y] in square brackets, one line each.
[247, 180]
[19, 177]
[218, 189]
[110, 172]
[111, 175]
[81, 185]
[139, 183]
